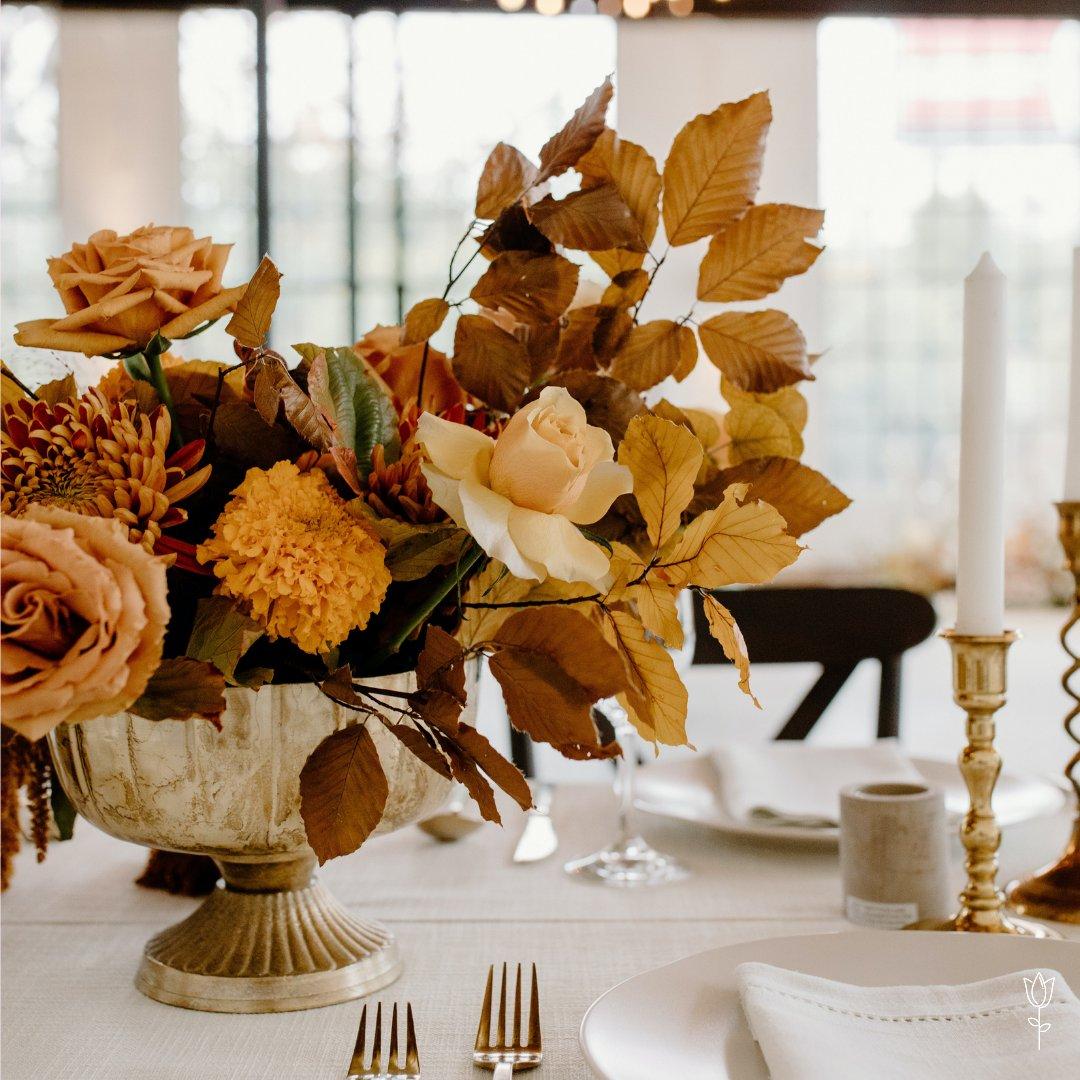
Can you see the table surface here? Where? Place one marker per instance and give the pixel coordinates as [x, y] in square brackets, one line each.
[74, 927]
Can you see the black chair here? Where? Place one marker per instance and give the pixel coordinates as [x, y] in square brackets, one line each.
[836, 628]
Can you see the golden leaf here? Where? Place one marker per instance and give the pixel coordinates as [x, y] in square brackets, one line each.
[493, 585]
[655, 698]
[725, 629]
[490, 363]
[803, 497]
[12, 390]
[664, 459]
[423, 320]
[763, 425]
[414, 551]
[712, 172]
[758, 351]
[608, 403]
[507, 175]
[532, 288]
[658, 609]
[63, 389]
[343, 792]
[735, 543]
[553, 665]
[633, 171]
[250, 323]
[753, 257]
[627, 288]
[566, 147]
[706, 426]
[591, 220]
[652, 352]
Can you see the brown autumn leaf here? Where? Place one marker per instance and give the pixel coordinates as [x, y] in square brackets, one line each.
[757, 351]
[594, 219]
[221, 635]
[712, 171]
[414, 551]
[566, 147]
[532, 288]
[507, 175]
[250, 323]
[423, 320]
[441, 665]
[725, 629]
[343, 792]
[62, 389]
[608, 403]
[513, 231]
[753, 257]
[275, 387]
[412, 738]
[182, 689]
[553, 665]
[664, 459]
[243, 436]
[628, 287]
[735, 543]
[490, 363]
[502, 772]
[655, 698]
[802, 496]
[652, 352]
[633, 171]
[763, 425]
[466, 772]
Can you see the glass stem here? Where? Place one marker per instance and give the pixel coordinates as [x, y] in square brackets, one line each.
[625, 771]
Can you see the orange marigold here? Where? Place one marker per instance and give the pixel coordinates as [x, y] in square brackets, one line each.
[286, 547]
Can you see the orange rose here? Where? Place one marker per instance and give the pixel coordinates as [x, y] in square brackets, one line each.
[399, 366]
[83, 619]
[119, 291]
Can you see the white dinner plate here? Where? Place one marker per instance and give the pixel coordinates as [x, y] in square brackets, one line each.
[684, 1020]
[688, 790]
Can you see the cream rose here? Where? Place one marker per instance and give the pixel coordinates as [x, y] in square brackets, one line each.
[82, 619]
[119, 291]
[522, 496]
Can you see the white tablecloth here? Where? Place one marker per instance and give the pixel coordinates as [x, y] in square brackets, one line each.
[73, 930]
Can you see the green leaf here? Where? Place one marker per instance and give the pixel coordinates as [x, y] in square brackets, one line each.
[64, 814]
[137, 367]
[221, 635]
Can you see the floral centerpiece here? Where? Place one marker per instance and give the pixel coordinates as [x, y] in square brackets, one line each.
[189, 527]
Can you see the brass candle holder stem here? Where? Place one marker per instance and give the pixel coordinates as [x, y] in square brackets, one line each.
[1054, 891]
[979, 684]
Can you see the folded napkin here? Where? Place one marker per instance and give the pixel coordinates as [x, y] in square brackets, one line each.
[808, 1028]
[790, 783]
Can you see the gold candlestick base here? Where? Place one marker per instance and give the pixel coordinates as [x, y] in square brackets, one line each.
[1054, 891]
[979, 689]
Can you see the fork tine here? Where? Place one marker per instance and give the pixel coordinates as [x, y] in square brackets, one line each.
[534, 1014]
[358, 1049]
[376, 1049]
[502, 1011]
[483, 1032]
[517, 1009]
[392, 1065]
[412, 1055]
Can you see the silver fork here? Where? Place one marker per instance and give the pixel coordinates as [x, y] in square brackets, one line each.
[507, 1058]
[410, 1070]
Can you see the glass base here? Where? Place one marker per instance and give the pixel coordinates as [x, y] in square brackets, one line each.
[628, 865]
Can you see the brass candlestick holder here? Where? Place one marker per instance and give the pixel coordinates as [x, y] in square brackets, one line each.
[979, 689]
[1054, 891]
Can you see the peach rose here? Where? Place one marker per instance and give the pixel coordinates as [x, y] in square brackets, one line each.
[119, 291]
[83, 619]
[399, 366]
[521, 495]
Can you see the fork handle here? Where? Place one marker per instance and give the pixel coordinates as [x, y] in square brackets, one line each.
[504, 1071]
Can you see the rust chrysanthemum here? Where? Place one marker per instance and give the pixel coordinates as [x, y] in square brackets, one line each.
[97, 457]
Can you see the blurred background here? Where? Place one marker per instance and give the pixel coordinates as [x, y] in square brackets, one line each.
[347, 138]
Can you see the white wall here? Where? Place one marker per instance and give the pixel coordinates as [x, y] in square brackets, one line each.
[671, 70]
[119, 120]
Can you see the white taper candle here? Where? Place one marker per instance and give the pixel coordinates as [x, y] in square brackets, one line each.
[980, 569]
[1072, 438]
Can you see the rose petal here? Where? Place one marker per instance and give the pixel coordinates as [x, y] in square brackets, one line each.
[605, 484]
[487, 516]
[553, 542]
[444, 492]
[455, 449]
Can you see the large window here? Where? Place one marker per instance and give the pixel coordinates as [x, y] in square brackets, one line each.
[940, 139]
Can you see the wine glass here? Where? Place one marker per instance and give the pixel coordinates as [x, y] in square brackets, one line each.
[630, 861]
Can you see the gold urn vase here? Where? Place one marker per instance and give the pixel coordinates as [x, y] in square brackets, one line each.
[271, 938]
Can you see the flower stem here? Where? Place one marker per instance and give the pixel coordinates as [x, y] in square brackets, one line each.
[152, 356]
[433, 601]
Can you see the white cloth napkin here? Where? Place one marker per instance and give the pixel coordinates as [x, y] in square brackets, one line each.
[809, 1028]
[790, 783]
